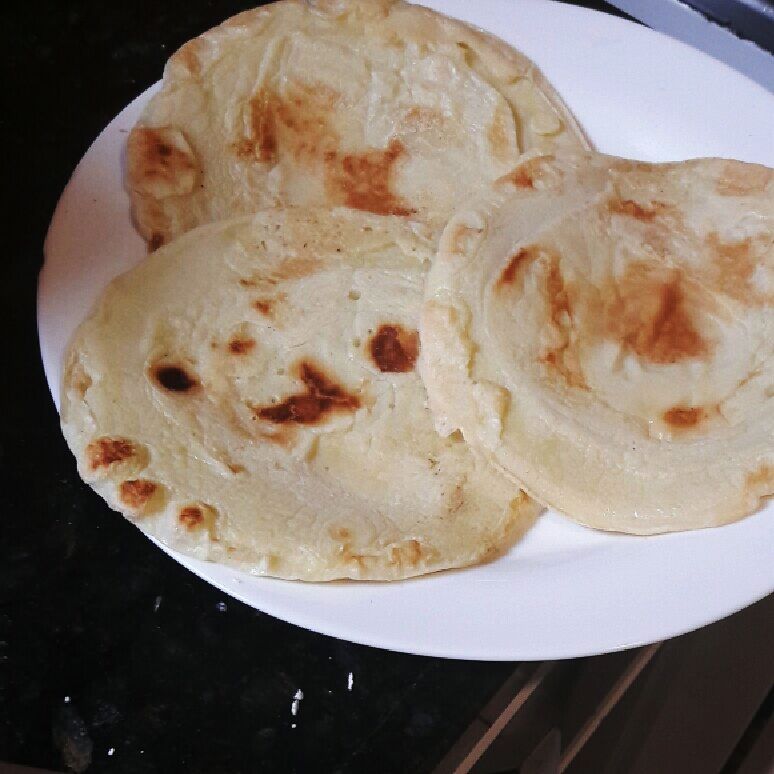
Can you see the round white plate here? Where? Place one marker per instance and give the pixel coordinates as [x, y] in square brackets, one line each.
[565, 590]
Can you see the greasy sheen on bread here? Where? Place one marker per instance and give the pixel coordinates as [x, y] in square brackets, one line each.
[248, 395]
[603, 331]
[376, 105]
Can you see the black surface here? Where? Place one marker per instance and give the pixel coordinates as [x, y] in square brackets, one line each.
[105, 642]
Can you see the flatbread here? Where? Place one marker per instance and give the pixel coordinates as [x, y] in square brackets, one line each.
[248, 395]
[376, 105]
[603, 331]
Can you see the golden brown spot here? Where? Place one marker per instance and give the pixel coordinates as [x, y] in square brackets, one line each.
[264, 306]
[732, 267]
[562, 361]
[160, 162]
[739, 179]
[732, 253]
[174, 378]
[647, 313]
[394, 349]
[191, 517]
[626, 165]
[296, 268]
[340, 533]
[282, 435]
[529, 171]
[321, 398]
[350, 557]
[267, 306]
[364, 181]
[316, 93]
[264, 127]
[682, 418]
[188, 57]
[557, 295]
[761, 479]
[247, 283]
[241, 345]
[521, 499]
[135, 493]
[497, 134]
[104, 452]
[198, 516]
[409, 553]
[564, 358]
[297, 125]
[468, 54]
[261, 144]
[522, 178]
[79, 379]
[423, 118]
[523, 257]
[156, 240]
[457, 499]
[632, 209]
[149, 211]
[304, 117]
[244, 148]
[235, 469]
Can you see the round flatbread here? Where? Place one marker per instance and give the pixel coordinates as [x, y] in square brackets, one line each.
[603, 330]
[248, 395]
[376, 105]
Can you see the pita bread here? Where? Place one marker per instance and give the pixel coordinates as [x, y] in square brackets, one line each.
[376, 105]
[603, 330]
[248, 395]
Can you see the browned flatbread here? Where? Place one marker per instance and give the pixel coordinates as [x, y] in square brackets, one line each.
[376, 105]
[603, 330]
[248, 395]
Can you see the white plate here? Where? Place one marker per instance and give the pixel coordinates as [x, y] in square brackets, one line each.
[565, 590]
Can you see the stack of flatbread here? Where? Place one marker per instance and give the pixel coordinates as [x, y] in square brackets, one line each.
[394, 302]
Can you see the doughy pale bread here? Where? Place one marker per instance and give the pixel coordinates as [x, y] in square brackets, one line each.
[603, 331]
[248, 395]
[376, 105]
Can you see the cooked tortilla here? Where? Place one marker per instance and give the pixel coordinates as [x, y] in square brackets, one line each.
[248, 395]
[603, 331]
[380, 106]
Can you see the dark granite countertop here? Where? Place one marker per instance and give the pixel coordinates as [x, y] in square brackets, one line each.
[112, 656]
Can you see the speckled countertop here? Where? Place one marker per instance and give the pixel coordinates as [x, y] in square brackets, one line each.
[113, 657]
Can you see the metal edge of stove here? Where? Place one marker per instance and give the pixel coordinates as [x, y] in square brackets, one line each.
[714, 35]
[749, 19]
